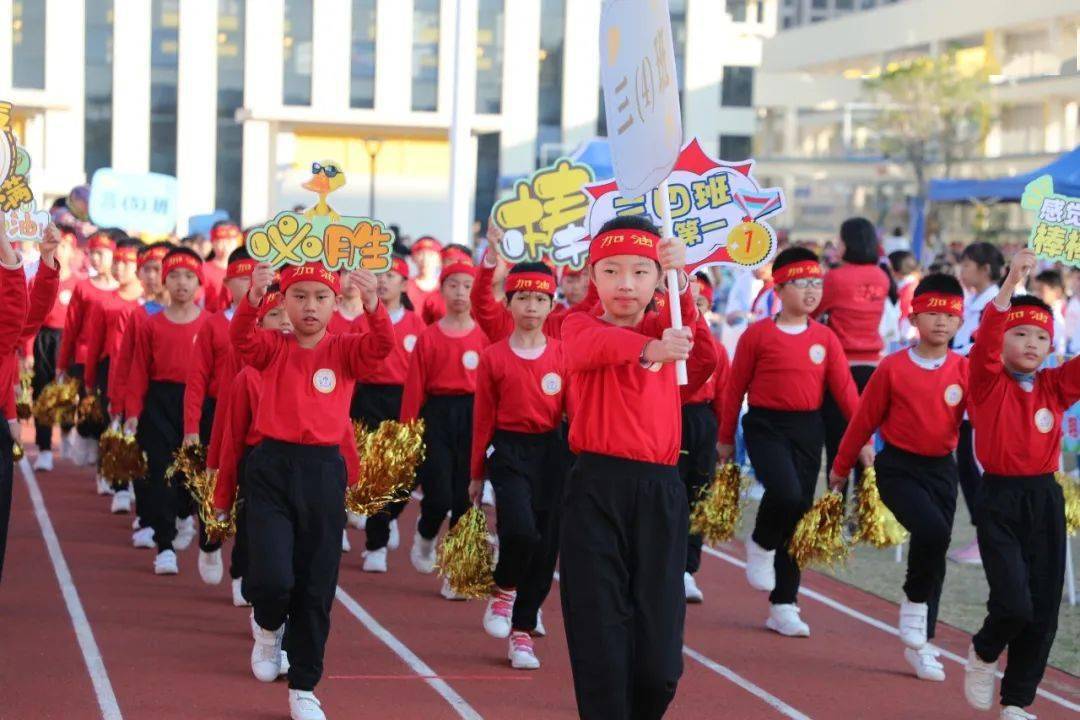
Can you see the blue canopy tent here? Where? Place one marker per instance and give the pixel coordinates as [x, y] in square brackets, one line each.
[1065, 170]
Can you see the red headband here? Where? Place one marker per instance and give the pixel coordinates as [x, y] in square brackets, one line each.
[182, 261]
[706, 289]
[452, 255]
[400, 267]
[425, 243]
[101, 241]
[225, 232]
[797, 271]
[624, 242]
[530, 282]
[271, 301]
[153, 255]
[311, 272]
[1029, 315]
[463, 268]
[126, 254]
[240, 269]
[938, 302]
[567, 271]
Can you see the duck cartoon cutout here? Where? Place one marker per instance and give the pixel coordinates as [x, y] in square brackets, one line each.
[326, 177]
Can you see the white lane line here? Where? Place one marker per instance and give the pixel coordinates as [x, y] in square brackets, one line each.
[732, 676]
[417, 665]
[884, 627]
[95, 665]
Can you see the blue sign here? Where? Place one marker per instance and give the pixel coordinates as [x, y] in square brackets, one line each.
[135, 202]
[203, 224]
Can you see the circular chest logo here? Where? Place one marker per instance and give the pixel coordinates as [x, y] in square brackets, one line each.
[324, 380]
[65, 297]
[551, 383]
[953, 395]
[817, 353]
[409, 341]
[470, 359]
[1044, 420]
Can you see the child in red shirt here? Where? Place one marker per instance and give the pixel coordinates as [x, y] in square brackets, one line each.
[1016, 411]
[624, 514]
[518, 442]
[296, 476]
[379, 389]
[916, 399]
[439, 389]
[784, 365]
[225, 236]
[425, 254]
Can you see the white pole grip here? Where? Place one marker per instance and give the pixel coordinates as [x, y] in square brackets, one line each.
[672, 278]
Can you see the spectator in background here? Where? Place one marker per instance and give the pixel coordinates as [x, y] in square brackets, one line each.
[746, 286]
[905, 272]
[896, 242]
[1050, 288]
[1072, 313]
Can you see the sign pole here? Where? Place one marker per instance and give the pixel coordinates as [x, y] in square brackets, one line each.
[674, 301]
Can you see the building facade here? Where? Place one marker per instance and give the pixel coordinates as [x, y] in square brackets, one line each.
[236, 98]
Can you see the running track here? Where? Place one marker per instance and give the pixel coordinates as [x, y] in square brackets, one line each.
[87, 631]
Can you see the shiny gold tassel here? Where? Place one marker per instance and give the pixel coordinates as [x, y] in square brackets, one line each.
[819, 538]
[1071, 488]
[24, 396]
[719, 506]
[389, 457]
[188, 460]
[17, 452]
[466, 558]
[91, 410]
[876, 523]
[122, 460]
[57, 403]
[216, 530]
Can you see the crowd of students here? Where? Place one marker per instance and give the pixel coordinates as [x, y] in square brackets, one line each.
[533, 378]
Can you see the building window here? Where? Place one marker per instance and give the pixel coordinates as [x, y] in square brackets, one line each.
[552, 36]
[230, 97]
[737, 10]
[736, 147]
[489, 57]
[98, 86]
[487, 175]
[164, 68]
[425, 56]
[296, 54]
[362, 92]
[738, 86]
[28, 44]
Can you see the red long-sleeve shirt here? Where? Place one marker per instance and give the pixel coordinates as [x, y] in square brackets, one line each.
[434, 308]
[515, 394]
[58, 312]
[163, 352]
[1017, 432]
[620, 408]
[711, 391]
[309, 389]
[493, 317]
[73, 343]
[854, 299]
[105, 333]
[786, 372]
[395, 368]
[232, 368]
[441, 365]
[417, 295]
[916, 409]
[13, 311]
[209, 367]
[215, 295]
[41, 297]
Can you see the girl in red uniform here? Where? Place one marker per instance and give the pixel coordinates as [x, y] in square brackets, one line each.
[379, 389]
[296, 476]
[163, 349]
[624, 514]
[439, 388]
[518, 415]
[434, 307]
[916, 399]
[224, 238]
[784, 365]
[1016, 414]
[425, 254]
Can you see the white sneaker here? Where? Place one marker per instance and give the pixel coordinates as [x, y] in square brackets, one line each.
[785, 620]
[925, 663]
[238, 599]
[121, 503]
[980, 679]
[44, 462]
[76, 449]
[266, 653]
[91, 452]
[284, 664]
[423, 554]
[449, 593]
[303, 705]
[375, 561]
[211, 569]
[185, 533]
[488, 497]
[395, 537]
[165, 563]
[135, 524]
[356, 521]
[540, 630]
[690, 588]
[67, 445]
[346, 546]
[760, 571]
[522, 654]
[1012, 712]
[143, 538]
[913, 624]
[103, 487]
[500, 606]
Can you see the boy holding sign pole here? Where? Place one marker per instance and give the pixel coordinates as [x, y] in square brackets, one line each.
[625, 517]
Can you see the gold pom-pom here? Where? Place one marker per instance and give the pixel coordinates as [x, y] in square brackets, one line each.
[1071, 488]
[57, 403]
[91, 410]
[389, 457]
[188, 460]
[819, 536]
[201, 485]
[720, 505]
[466, 558]
[24, 396]
[17, 452]
[122, 460]
[876, 523]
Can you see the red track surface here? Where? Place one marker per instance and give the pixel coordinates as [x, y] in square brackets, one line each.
[172, 647]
